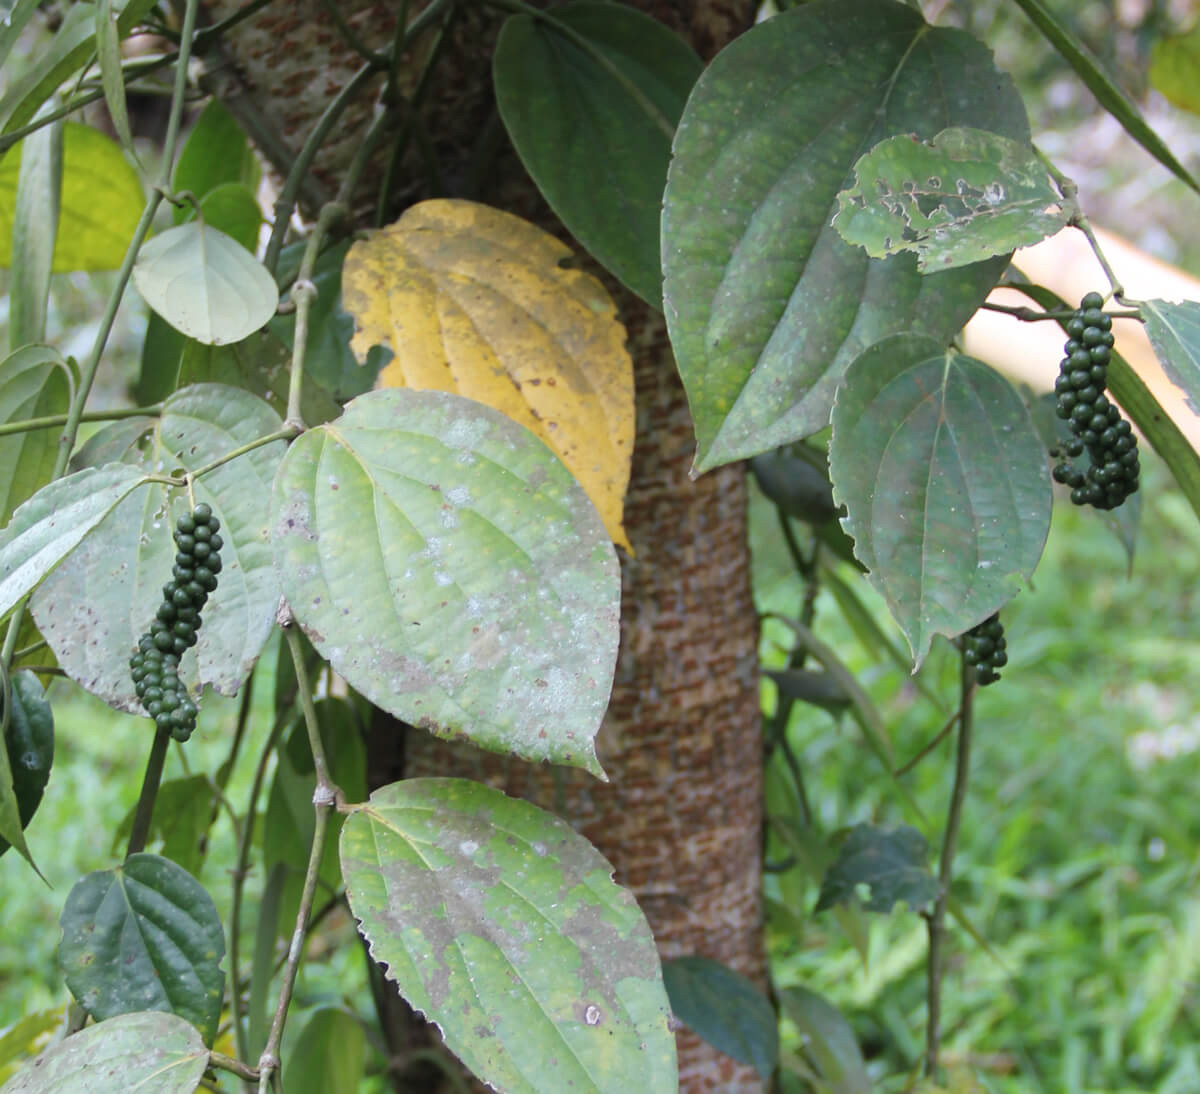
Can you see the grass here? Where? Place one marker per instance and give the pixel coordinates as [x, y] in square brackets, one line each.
[1078, 855]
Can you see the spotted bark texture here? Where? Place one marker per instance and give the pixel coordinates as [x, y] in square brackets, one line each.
[680, 819]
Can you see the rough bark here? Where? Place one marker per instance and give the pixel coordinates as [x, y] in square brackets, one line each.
[680, 819]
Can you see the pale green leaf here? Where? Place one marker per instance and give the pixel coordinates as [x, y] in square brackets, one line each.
[1175, 69]
[450, 568]
[34, 229]
[205, 284]
[100, 205]
[132, 1052]
[111, 587]
[502, 925]
[53, 522]
[33, 384]
[108, 49]
[1174, 331]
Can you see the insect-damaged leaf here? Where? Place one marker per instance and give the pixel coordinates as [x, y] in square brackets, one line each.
[962, 197]
[945, 484]
[892, 866]
[504, 927]
[479, 302]
[765, 303]
[448, 566]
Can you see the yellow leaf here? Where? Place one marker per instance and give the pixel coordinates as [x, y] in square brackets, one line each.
[476, 301]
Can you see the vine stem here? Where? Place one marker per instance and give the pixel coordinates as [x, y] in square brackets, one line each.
[1031, 315]
[228, 1063]
[936, 920]
[1070, 191]
[145, 805]
[325, 796]
[54, 421]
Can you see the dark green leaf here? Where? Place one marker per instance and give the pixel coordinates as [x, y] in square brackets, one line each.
[328, 1055]
[205, 284]
[29, 747]
[260, 365]
[131, 1052]
[1107, 93]
[796, 478]
[34, 229]
[817, 688]
[144, 936]
[590, 95]
[233, 209]
[828, 1041]
[892, 865]
[765, 303]
[724, 1008]
[34, 383]
[503, 925]
[944, 481]
[290, 821]
[328, 358]
[52, 523]
[183, 813]
[451, 569]
[162, 354]
[964, 196]
[216, 152]
[111, 587]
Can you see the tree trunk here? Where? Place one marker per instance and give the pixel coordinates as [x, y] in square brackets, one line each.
[680, 819]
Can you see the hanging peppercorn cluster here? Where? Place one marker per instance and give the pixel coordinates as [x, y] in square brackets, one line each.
[985, 647]
[1097, 425]
[154, 665]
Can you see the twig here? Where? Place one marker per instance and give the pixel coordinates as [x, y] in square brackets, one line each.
[324, 797]
[228, 1063]
[55, 421]
[936, 920]
[930, 745]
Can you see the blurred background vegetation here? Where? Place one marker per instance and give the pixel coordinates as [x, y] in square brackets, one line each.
[1078, 860]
